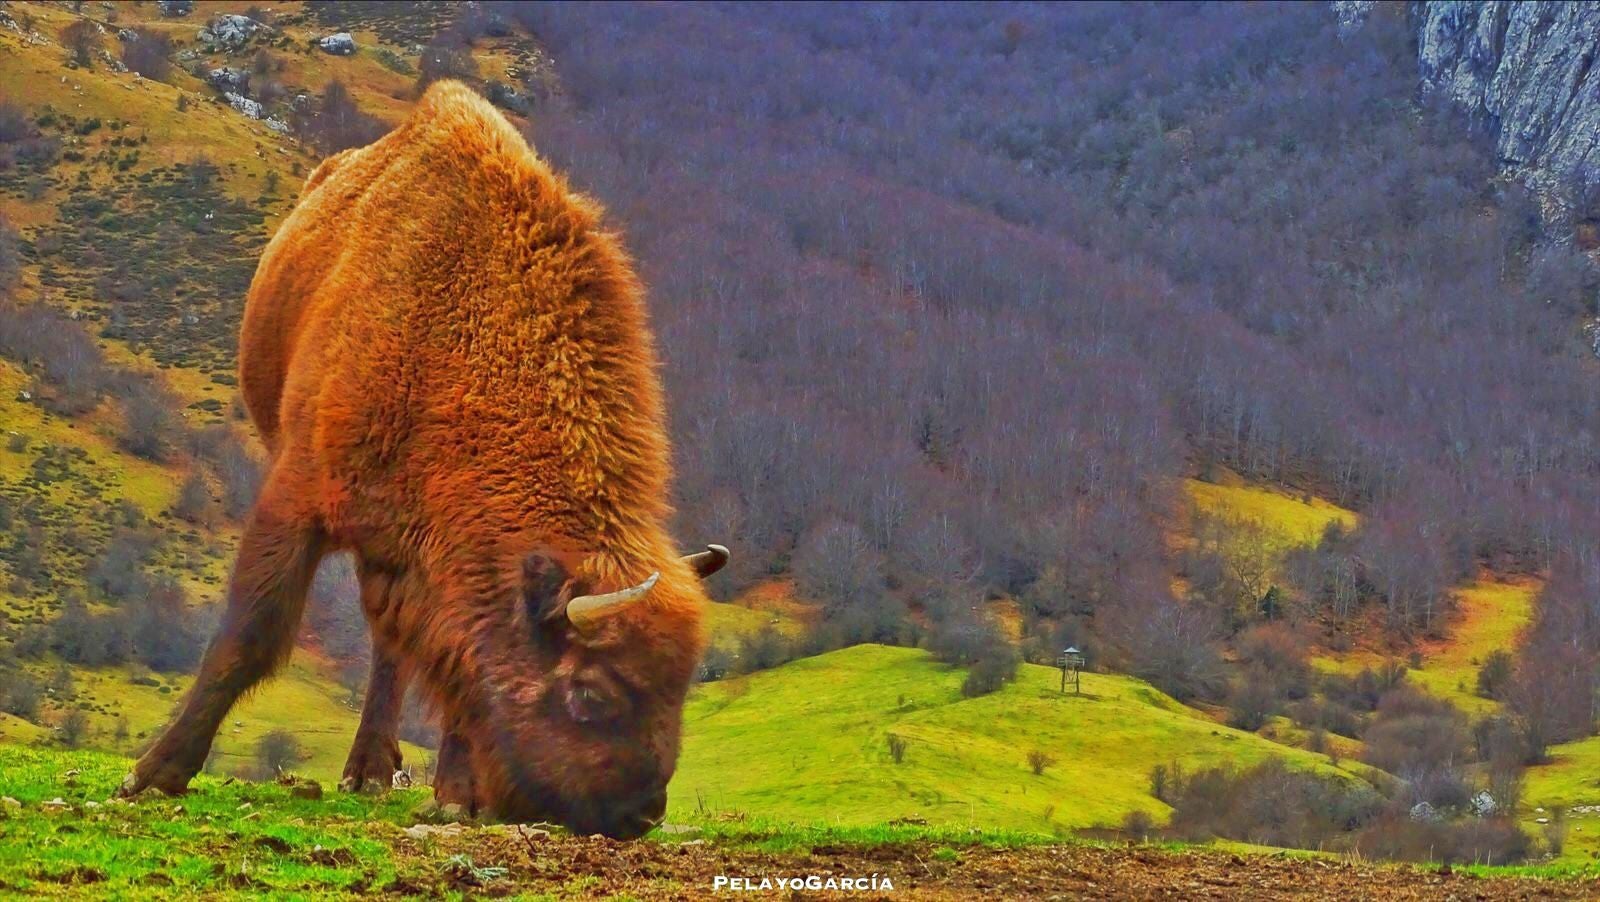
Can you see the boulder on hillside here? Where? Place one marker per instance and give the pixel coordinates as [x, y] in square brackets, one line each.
[228, 32]
[1484, 805]
[244, 105]
[341, 44]
[228, 78]
[173, 9]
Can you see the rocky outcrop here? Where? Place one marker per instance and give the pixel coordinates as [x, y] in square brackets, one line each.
[228, 32]
[229, 78]
[244, 105]
[341, 44]
[1526, 71]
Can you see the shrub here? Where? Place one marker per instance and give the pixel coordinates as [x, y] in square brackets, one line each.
[445, 58]
[1252, 702]
[148, 53]
[20, 695]
[989, 673]
[277, 752]
[717, 663]
[897, 747]
[976, 643]
[1138, 825]
[193, 503]
[764, 649]
[1414, 734]
[1494, 677]
[1165, 782]
[10, 258]
[1485, 841]
[119, 572]
[1271, 805]
[334, 122]
[1278, 656]
[1038, 761]
[82, 40]
[74, 728]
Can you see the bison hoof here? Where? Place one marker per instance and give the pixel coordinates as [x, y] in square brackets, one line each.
[367, 785]
[371, 766]
[163, 781]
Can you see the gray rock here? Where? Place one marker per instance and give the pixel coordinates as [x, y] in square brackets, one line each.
[1352, 14]
[1483, 804]
[175, 8]
[228, 78]
[228, 32]
[1525, 71]
[1424, 812]
[341, 44]
[244, 105]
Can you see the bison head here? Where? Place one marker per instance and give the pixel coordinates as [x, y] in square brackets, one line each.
[582, 698]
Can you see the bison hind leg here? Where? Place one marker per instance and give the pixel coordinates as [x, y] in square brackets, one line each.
[375, 752]
[453, 787]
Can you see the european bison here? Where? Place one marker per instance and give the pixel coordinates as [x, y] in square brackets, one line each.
[450, 363]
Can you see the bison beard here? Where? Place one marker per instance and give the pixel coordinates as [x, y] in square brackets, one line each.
[450, 363]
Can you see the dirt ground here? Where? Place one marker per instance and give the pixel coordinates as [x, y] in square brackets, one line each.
[598, 868]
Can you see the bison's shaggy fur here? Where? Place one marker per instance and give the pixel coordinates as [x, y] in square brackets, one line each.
[450, 363]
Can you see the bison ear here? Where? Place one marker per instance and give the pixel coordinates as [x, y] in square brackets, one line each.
[545, 587]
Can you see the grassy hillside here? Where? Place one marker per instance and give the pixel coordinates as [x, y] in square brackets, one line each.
[1291, 520]
[808, 742]
[1489, 616]
[304, 700]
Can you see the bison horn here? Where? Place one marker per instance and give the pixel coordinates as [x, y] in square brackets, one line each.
[587, 610]
[707, 562]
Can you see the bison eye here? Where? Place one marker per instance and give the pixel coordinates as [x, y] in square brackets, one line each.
[588, 703]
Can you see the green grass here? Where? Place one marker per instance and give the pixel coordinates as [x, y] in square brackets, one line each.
[769, 835]
[1571, 779]
[727, 623]
[239, 837]
[1492, 617]
[807, 743]
[242, 836]
[1292, 520]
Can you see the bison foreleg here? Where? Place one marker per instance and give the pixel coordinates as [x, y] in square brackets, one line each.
[452, 780]
[277, 556]
[375, 753]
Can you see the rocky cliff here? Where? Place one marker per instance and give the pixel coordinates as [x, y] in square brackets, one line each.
[1524, 69]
